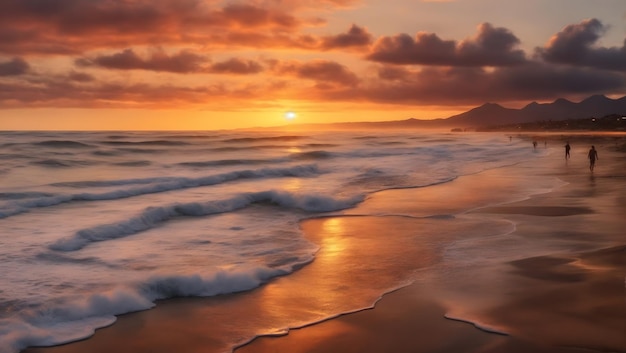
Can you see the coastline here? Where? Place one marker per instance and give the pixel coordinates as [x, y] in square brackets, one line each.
[535, 305]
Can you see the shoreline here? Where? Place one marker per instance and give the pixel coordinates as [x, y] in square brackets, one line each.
[413, 318]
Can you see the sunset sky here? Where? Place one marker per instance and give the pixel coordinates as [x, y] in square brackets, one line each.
[204, 64]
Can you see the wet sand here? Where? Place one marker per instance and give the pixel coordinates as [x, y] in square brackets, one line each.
[569, 296]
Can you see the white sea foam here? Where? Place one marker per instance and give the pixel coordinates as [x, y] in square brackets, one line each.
[74, 318]
[154, 215]
[155, 185]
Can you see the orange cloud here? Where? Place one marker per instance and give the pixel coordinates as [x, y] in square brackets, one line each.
[75, 26]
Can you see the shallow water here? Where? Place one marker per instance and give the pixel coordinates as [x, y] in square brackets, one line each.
[100, 224]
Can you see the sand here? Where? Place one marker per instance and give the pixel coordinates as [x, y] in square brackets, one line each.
[570, 297]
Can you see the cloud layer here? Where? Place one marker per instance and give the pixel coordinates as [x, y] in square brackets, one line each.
[189, 53]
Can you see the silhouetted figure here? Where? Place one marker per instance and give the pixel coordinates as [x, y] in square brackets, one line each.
[567, 148]
[535, 145]
[593, 156]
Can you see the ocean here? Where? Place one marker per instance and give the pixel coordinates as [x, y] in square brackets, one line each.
[98, 224]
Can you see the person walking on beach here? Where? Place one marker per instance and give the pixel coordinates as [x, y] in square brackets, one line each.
[593, 156]
[567, 148]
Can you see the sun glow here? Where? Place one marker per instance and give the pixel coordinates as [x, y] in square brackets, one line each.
[290, 115]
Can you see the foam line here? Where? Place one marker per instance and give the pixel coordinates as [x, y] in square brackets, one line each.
[155, 185]
[479, 326]
[152, 216]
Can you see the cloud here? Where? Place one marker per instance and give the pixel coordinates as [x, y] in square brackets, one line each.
[355, 37]
[575, 45]
[63, 92]
[77, 26]
[182, 62]
[327, 73]
[489, 47]
[14, 67]
[472, 85]
[237, 66]
[72, 17]
[332, 82]
[80, 77]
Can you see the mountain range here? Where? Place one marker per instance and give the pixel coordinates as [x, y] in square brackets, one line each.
[491, 114]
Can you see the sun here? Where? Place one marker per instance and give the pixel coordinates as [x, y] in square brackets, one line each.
[290, 115]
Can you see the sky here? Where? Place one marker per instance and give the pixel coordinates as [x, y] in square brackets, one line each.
[209, 65]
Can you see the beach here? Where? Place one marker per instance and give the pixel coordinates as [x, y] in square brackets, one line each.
[564, 290]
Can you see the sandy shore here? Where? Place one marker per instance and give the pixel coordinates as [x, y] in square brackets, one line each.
[568, 297]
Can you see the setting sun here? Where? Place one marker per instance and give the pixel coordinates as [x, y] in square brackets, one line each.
[290, 115]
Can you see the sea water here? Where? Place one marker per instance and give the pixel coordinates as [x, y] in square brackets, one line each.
[97, 224]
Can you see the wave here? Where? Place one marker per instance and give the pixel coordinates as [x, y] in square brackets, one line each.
[22, 195]
[62, 144]
[142, 150]
[312, 155]
[265, 138]
[134, 164]
[223, 162]
[146, 143]
[74, 318]
[57, 163]
[118, 182]
[153, 185]
[152, 216]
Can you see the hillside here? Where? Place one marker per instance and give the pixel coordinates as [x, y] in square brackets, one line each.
[561, 109]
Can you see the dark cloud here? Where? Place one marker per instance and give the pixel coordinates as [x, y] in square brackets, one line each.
[80, 77]
[470, 85]
[490, 47]
[425, 49]
[327, 73]
[14, 67]
[236, 66]
[182, 62]
[575, 45]
[355, 37]
[334, 82]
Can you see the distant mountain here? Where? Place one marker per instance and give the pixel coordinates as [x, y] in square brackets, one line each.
[561, 109]
[491, 114]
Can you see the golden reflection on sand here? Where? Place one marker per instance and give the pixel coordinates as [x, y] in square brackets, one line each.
[333, 241]
[311, 302]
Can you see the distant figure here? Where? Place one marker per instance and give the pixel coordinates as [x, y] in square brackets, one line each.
[593, 156]
[535, 145]
[567, 148]
[510, 138]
